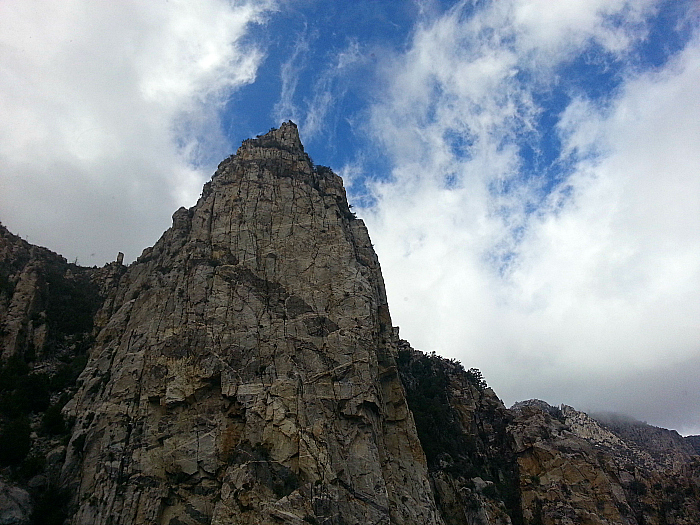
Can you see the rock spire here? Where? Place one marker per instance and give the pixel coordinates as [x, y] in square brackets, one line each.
[245, 370]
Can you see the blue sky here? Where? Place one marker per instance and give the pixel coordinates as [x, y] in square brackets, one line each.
[528, 169]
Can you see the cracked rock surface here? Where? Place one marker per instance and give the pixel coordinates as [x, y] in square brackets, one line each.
[245, 367]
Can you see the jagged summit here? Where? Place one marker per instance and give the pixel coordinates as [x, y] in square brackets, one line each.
[285, 137]
[282, 143]
[246, 365]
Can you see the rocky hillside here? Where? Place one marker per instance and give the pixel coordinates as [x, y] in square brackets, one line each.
[47, 324]
[576, 469]
[245, 370]
[694, 442]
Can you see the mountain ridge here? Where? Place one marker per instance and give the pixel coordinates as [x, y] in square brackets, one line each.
[245, 369]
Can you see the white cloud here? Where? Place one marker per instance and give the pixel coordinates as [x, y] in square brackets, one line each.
[291, 69]
[561, 27]
[330, 86]
[106, 112]
[316, 112]
[598, 288]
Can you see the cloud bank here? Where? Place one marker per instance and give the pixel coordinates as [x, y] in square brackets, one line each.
[109, 115]
[582, 291]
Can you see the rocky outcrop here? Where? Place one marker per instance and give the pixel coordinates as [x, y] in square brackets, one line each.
[563, 478]
[46, 303]
[462, 426]
[574, 469]
[47, 315]
[246, 369]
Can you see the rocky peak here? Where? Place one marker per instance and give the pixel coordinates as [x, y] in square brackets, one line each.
[271, 144]
[536, 404]
[286, 137]
[246, 370]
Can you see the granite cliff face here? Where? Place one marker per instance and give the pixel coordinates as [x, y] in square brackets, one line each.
[245, 370]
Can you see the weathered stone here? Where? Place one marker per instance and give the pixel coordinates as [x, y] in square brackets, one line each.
[15, 505]
[251, 350]
[573, 469]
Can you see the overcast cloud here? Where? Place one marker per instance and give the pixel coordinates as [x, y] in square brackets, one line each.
[109, 115]
[589, 296]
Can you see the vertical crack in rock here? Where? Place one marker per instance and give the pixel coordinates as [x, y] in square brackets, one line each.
[246, 365]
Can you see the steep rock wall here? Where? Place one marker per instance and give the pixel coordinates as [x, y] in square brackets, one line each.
[246, 370]
[462, 426]
[47, 309]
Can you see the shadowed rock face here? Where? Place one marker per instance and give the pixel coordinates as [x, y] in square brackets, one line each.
[462, 426]
[46, 303]
[245, 372]
[541, 465]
